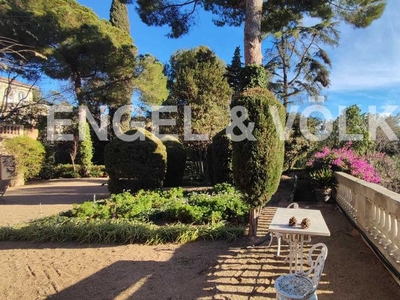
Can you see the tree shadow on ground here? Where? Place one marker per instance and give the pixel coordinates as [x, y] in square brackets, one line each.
[60, 191]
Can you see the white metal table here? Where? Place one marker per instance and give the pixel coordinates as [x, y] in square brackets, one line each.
[295, 235]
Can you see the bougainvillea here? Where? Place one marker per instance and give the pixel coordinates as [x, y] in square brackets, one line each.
[345, 160]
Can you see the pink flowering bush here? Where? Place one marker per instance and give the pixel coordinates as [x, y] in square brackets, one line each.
[345, 160]
[388, 169]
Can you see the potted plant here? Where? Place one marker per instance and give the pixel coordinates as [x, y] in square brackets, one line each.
[323, 182]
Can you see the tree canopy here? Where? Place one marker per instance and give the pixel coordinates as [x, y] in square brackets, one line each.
[151, 82]
[259, 16]
[297, 60]
[79, 47]
[196, 79]
[180, 15]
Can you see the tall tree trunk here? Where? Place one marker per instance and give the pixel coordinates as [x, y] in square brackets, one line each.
[78, 87]
[253, 55]
[252, 32]
[253, 220]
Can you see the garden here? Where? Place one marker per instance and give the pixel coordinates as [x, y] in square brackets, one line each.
[149, 217]
[149, 202]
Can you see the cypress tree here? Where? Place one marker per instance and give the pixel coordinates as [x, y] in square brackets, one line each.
[85, 150]
[119, 15]
[119, 18]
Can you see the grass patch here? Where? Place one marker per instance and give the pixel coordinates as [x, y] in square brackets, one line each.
[64, 229]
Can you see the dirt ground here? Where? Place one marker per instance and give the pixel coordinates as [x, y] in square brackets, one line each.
[198, 270]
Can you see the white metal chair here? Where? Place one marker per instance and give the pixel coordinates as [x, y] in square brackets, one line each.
[278, 235]
[303, 285]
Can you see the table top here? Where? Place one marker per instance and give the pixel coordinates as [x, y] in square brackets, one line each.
[280, 222]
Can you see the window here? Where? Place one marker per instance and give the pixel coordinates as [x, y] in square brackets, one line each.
[10, 97]
[21, 96]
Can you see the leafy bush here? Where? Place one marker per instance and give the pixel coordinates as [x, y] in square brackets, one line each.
[322, 178]
[29, 155]
[47, 171]
[253, 76]
[136, 164]
[85, 151]
[120, 219]
[66, 171]
[388, 169]
[222, 204]
[97, 171]
[345, 160]
[119, 206]
[221, 152]
[257, 163]
[184, 213]
[176, 160]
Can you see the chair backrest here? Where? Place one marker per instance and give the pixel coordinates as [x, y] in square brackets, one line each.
[317, 264]
[293, 205]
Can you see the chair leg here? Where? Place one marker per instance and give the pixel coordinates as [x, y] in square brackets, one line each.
[279, 246]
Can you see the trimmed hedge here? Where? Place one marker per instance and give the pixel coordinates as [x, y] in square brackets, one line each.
[67, 171]
[221, 152]
[135, 165]
[257, 164]
[176, 161]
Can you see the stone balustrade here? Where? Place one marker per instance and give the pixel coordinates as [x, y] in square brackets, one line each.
[375, 210]
[10, 130]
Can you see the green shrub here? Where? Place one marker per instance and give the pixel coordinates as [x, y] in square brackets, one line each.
[223, 203]
[222, 206]
[48, 171]
[120, 219]
[137, 164]
[184, 213]
[257, 164]
[66, 171]
[119, 206]
[85, 150]
[97, 171]
[253, 76]
[29, 155]
[176, 160]
[222, 158]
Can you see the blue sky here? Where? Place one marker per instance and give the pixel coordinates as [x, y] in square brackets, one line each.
[365, 66]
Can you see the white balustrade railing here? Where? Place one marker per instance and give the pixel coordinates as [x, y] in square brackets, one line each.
[375, 210]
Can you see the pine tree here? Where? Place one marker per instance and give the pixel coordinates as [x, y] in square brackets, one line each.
[297, 62]
[233, 71]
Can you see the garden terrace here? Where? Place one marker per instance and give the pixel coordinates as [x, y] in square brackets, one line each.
[198, 270]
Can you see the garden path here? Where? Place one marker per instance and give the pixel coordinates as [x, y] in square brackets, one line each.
[39, 199]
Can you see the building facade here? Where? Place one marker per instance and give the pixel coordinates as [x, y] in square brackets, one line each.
[13, 92]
